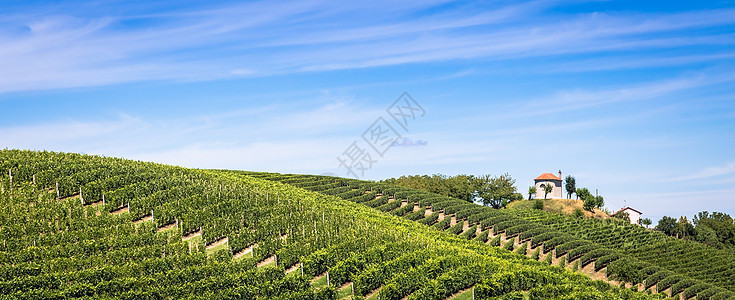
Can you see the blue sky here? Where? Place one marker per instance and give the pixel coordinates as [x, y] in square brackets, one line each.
[634, 99]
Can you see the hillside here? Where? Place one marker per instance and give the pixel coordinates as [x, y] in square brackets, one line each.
[77, 226]
[560, 206]
[608, 249]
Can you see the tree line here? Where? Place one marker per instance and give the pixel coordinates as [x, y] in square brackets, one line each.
[493, 191]
[715, 229]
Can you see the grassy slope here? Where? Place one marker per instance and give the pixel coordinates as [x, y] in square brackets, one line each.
[559, 206]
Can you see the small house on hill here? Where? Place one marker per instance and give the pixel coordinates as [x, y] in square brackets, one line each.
[548, 179]
[634, 216]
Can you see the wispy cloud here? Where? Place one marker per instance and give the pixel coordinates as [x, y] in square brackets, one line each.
[52, 48]
[709, 172]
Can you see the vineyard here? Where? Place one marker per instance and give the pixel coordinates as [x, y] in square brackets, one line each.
[621, 253]
[80, 226]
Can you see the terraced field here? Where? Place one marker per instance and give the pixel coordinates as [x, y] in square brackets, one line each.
[79, 226]
[610, 249]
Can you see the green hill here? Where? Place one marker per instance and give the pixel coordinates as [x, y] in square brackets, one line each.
[609, 249]
[80, 226]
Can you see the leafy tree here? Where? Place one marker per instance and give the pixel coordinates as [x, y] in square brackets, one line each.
[599, 201]
[684, 228]
[646, 221]
[548, 188]
[667, 225]
[459, 186]
[622, 215]
[531, 191]
[491, 191]
[570, 185]
[589, 200]
[496, 192]
[715, 229]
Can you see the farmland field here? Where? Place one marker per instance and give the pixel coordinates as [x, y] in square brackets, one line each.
[79, 226]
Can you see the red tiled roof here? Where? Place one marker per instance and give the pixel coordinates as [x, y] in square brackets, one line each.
[547, 176]
[625, 208]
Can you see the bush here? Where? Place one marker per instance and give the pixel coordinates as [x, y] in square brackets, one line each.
[538, 204]
[708, 293]
[507, 282]
[512, 231]
[578, 213]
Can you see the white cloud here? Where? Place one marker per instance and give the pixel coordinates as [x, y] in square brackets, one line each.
[257, 39]
[709, 172]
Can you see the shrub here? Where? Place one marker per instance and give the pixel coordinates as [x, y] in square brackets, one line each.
[708, 293]
[578, 213]
[538, 204]
[512, 231]
[495, 242]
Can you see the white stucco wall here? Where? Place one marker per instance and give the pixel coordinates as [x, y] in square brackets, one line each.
[556, 193]
[633, 216]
